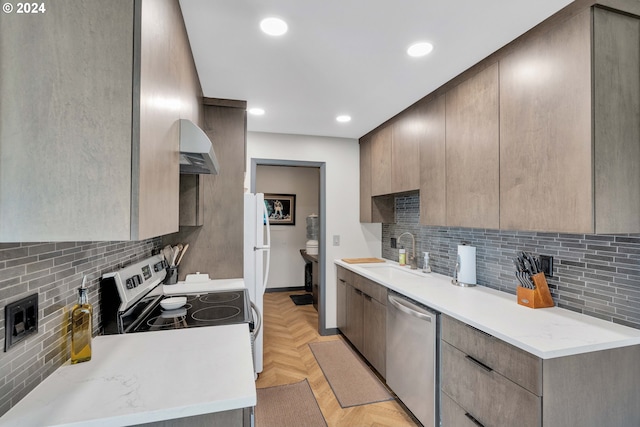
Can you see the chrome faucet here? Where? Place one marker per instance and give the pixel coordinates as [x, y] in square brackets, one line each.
[412, 258]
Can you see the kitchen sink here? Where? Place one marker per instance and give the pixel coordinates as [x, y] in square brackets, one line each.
[392, 272]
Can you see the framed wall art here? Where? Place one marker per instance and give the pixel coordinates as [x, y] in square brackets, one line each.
[281, 208]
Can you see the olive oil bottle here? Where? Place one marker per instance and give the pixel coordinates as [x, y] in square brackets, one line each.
[81, 327]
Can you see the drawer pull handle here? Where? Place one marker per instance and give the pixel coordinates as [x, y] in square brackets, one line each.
[478, 363]
[358, 291]
[367, 297]
[473, 420]
[478, 330]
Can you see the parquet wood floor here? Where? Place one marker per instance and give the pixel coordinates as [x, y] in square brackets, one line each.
[288, 359]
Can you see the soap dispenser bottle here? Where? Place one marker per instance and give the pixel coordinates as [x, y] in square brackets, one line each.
[81, 327]
[426, 268]
[402, 256]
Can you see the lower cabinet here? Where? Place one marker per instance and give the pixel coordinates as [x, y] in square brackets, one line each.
[488, 382]
[315, 277]
[362, 316]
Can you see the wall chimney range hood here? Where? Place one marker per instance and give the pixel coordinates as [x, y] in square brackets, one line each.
[196, 151]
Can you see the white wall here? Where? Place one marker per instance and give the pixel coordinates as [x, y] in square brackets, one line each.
[287, 265]
[342, 159]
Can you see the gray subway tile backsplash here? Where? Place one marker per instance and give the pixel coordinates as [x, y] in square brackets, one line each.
[598, 275]
[54, 270]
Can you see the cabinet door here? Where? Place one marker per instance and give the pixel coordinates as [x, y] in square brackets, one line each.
[314, 283]
[489, 397]
[545, 131]
[355, 312]
[341, 305]
[433, 196]
[381, 161]
[375, 333]
[407, 134]
[65, 123]
[616, 121]
[365, 179]
[472, 151]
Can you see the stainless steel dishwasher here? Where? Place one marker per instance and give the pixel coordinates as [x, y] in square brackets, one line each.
[412, 356]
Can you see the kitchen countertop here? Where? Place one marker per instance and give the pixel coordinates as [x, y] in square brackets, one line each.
[145, 377]
[545, 332]
[308, 257]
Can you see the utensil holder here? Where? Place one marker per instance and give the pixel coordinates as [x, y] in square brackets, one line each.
[172, 276]
[540, 297]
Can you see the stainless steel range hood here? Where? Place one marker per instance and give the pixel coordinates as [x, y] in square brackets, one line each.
[196, 151]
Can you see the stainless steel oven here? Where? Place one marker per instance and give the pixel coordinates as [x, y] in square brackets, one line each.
[130, 301]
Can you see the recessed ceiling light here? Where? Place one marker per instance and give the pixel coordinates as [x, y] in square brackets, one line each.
[256, 111]
[273, 26]
[343, 119]
[419, 49]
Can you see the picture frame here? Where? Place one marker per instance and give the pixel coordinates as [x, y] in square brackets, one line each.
[281, 208]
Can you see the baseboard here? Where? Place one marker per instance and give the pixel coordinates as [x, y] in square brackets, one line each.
[329, 331]
[294, 289]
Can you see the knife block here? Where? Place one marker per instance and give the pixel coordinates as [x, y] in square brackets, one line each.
[540, 297]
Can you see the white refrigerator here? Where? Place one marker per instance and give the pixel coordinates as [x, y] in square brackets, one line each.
[257, 240]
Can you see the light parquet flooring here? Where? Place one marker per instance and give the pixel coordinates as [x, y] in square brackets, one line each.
[288, 359]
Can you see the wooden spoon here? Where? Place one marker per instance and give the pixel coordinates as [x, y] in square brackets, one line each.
[182, 254]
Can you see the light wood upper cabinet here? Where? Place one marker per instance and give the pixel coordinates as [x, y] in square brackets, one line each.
[381, 162]
[545, 131]
[88, 120]
[433, 196]
[365, 179]
[569, 136]
[616, 122]
[472, 151]
[407, 134]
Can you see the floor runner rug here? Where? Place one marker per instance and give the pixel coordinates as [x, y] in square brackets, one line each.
[291, 405]
[351, 380]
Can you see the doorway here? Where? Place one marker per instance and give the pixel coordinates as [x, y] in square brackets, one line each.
[305, 180]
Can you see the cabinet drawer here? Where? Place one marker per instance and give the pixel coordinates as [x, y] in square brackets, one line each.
[345, 275]
[517, 365]
[453, 415]
[486, 395]
[371, 288]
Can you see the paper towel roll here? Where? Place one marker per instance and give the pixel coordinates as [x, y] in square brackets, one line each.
[467, 263]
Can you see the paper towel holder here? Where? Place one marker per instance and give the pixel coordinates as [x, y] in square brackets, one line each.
[455, 280]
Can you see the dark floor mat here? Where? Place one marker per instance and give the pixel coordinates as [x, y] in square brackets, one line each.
[302, 299]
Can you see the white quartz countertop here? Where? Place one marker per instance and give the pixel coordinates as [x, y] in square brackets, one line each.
[545, 332]
[145, 377]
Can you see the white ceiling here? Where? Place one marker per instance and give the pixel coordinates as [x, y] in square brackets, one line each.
[344, 56]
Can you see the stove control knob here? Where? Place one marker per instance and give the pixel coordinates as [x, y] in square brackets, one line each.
[129, 283]
[137, 280]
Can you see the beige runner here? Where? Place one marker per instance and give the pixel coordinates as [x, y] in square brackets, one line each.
[291, 405]
[350, 378]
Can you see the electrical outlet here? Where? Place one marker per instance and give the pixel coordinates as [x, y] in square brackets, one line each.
[336, 240]
[546, 265]
[20, 320]
[394, 243]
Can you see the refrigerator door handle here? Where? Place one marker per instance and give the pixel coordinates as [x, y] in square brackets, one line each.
[266, 247]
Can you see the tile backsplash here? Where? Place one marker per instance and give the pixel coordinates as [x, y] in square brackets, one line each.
[598, 275]
[54, 271]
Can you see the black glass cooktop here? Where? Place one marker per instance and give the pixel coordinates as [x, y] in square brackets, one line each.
[211, 309]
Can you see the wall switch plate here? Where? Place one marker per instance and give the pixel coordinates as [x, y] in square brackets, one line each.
[20, 320]
[394, 243]
[546, 265]
[336, 240]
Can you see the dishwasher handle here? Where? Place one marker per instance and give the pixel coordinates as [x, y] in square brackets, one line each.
[409, 308]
